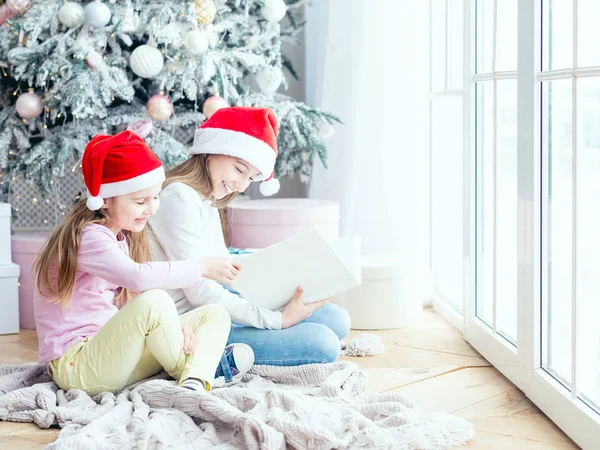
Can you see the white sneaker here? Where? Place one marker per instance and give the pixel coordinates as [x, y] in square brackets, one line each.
[236, 361]
[194, 384]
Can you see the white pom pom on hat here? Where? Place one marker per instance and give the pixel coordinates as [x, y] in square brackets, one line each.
[269, 187]
[244, 132]
[94, 203]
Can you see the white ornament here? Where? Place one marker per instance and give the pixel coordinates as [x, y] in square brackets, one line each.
[94, 59]
[146, 61]
[196, 42]
[326, 131]
[213, 104]
[97, 14]
[269, 79]
[29, 105]
[71, 15]
[129, 21]
[273, 10]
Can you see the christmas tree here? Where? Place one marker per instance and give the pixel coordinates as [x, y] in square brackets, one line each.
[70, 70]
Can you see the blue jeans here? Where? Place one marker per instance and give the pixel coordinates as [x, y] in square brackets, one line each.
[314, 340]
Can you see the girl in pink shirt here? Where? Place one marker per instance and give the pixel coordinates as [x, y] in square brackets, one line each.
[102, 321]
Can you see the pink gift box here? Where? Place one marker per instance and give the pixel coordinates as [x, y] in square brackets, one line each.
[261, 223]
[25, 249]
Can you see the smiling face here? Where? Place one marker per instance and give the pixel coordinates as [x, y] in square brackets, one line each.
[131, 211]
[229, 174]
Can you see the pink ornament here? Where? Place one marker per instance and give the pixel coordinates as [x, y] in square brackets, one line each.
[29, 105]
[159, 107]
[5, 14]
[18, 6]
[94, 59]
[213, 104]
[142, 127]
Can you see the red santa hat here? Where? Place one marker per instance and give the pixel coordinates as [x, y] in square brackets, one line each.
[118, 165]
[247, 133]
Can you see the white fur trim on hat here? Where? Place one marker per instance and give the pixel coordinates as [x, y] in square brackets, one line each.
[269, 187]
[220, 141]
[146, 180]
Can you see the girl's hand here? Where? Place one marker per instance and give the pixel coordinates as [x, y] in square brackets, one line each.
[189, 340]
[221, 269]
[296, 311]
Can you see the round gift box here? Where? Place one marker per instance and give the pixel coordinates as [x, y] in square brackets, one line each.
[25, 249]
[261, 223]
[382, 301]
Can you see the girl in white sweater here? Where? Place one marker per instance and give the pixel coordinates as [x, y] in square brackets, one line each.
[234, 147]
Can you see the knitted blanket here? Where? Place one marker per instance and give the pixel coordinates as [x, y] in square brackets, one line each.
[317, 406]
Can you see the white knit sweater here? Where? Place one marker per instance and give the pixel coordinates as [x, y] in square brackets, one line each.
[187, 226]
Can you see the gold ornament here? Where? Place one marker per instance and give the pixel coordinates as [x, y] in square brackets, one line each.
[206, 11]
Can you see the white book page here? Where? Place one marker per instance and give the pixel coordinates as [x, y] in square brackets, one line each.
[269, 277]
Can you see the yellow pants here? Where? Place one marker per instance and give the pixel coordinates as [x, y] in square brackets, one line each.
[139, 341]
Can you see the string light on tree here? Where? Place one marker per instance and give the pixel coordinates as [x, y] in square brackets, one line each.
[213, 104]
[97, 14]
[29, 105]
[71, 14]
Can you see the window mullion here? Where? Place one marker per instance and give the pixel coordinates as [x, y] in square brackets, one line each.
[574, 240]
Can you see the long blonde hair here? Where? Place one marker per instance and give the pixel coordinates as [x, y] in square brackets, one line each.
[56, 266]
[195, 173]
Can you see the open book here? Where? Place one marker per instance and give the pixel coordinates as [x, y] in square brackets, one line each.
[270, 276]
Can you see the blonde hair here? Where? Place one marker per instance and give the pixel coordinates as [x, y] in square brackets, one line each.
[195, 173]
[56, 266]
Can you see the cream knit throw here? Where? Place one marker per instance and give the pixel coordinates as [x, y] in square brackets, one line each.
[365, 344]
[318, 406]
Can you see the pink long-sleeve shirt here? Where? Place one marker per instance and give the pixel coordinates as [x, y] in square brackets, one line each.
[103, 266]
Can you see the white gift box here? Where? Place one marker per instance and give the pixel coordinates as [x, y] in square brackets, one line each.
[5, 251]
[9, 299]
[383, 300]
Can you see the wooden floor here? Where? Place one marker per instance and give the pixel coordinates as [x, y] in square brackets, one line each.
[430, 363]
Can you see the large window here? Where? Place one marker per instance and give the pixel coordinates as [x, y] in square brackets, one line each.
[496, 169]
[571, 149]
[529, 240]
